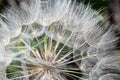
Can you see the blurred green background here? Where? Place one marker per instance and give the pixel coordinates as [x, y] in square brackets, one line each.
[96, 4]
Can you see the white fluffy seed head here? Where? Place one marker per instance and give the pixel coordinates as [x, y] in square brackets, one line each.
[80, 17]
[52, 10]
[4, 33]
[18, 16]
[47, 36]
[32, 31]
[106, 69]
[27, 11]
[46, 58]
[13, 23]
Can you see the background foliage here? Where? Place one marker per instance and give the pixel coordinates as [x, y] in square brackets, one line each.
[96, 4]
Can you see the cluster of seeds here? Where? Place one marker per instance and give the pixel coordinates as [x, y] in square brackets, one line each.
[56, 40]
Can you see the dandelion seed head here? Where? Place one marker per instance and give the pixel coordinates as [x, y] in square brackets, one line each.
[107, 68]
[45, 61]
[26, 11]
[52, 10]
[80, 18]
[4, 33]
[5, 60]
[13, 22]
[55, 40]
[33, 30]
